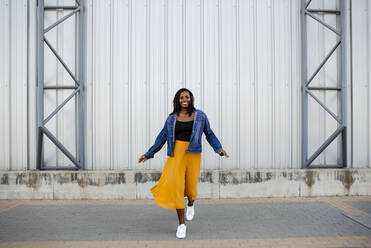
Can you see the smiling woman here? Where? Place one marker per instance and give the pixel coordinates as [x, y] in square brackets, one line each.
[182, 131]
[185, 99]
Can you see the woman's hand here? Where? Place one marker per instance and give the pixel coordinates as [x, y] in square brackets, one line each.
[223, 153]
[142, 159]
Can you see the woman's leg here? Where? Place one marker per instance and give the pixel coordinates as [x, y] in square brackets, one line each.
[182, 228]
[191, 178]
[180, 213]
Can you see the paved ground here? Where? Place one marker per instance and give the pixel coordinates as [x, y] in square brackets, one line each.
[263, 222]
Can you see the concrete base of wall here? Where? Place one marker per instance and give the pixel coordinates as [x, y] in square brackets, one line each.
[212, 183]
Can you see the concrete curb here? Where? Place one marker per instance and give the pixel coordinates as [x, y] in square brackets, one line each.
[214, 184]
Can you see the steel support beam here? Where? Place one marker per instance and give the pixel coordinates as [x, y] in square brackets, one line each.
[60, 7]
[326, 11]
[71, 87]
[343, 81]
[78, 158]
[307, 88]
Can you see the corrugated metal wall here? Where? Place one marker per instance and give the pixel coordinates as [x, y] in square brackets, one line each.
[361, 82]
[240, 58]
[13, 85]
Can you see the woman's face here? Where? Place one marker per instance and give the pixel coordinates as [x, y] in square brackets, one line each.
[184, 99]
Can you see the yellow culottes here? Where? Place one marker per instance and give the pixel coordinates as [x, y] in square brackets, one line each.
[179, 178]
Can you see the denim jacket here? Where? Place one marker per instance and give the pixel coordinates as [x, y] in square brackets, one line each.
[200, 125]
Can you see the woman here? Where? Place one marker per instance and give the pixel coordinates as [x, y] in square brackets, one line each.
[182, 131]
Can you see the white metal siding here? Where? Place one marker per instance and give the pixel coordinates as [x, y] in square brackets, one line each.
[240, 58]
[32, 73]
[361, 48]
[13, 85]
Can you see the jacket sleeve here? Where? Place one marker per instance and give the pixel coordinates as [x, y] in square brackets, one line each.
[159, 143]
[211, 138]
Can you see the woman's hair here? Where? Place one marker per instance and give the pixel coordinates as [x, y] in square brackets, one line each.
[176, 103]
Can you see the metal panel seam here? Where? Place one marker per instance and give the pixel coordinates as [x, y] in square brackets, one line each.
[130, 72]
[184, 59]
[238, 131]
[202, 63]
[272, 64]
[112, 136]
[369, 80]
[148, 71]
[27, 87]
[220, 67]
[10, 88]
[256, 113]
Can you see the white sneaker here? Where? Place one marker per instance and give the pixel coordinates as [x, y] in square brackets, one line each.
[181, 231]
[190, 212]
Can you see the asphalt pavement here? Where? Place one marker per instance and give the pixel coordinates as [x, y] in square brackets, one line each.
[253, 222]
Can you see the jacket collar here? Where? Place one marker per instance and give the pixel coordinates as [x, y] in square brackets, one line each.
[196, 113]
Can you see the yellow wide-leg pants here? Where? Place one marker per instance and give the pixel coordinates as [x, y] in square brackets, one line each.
[178, 179]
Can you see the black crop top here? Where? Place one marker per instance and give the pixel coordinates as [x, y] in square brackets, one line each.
[183, 130]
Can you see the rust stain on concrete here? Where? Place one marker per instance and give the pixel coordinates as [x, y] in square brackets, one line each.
[347, 179]
[147, 177]
[309, 178]
[82, 183]
[4, 179]
[244, 177]
[224, 177]
[33, 180]
[20, 178]
[122, 178]
[206, 176]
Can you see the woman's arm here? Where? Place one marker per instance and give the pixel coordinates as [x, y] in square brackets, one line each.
[210, 136]
[213, 140]
[159, 142]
